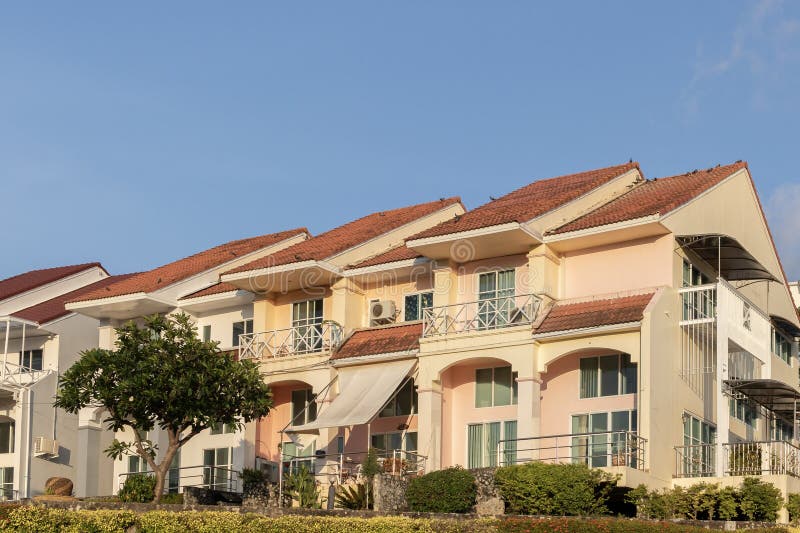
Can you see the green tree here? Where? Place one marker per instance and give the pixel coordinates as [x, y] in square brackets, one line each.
[162, 375]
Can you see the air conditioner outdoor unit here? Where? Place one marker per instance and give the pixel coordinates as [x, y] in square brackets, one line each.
[382, 311]
[45, 446]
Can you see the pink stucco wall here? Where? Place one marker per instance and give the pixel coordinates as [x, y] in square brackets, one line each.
[458, 410]
[618, 267]
[560, 393]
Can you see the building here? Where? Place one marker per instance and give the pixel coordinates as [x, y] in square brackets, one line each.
[794, 287]
[40, 339]
[641, 326]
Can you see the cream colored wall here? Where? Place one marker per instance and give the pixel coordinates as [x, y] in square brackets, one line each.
[618, 267]
[468, 274]
[394, 290]
[221, 322]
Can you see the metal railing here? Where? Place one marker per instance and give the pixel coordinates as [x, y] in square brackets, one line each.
[597, 449]
[18, 376]
[208, 477]
[9, 495]
[480, 315]
[343, 467]
[695, 460]
[761, 458]
[699, 304]
[298, 340]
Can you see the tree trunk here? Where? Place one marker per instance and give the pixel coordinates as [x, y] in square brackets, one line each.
[162, 471]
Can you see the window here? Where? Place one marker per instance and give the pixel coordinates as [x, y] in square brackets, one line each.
[340, 444]
[136, 464]
[7, 482]
[744, 410]
[7, 437]
[307, 326]
[692, 275]
[219, 429]
[484, 440]
[304, 408]
[245, 327]
[296, 457]
[216, 468]
[31, 359]
[403, 403]
[698, 454]
[495, 386]
[781, 430]
[495, 299]
[415, 303]
[781, 346]
[607, 375]
[612, 441]
[174, 473]
[207, 334]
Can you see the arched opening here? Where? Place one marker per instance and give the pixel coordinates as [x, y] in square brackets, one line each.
[479, 409]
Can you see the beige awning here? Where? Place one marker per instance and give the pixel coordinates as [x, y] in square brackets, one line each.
[363, 391]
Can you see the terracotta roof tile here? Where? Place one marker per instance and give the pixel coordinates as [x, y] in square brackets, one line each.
[50, 310]
[344, 237]
[400, 253]
[36, 278]
[657, 196]
[530, 201]
[375, 341]
[600, 312]
[217, 288]
[181, 269]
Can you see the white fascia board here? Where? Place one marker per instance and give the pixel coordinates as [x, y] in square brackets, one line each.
[479, 232]
[56, 282]
[405, 263]
[603, 229]
[376, 358]
[594, 330]
[117, 299]
[14, 319]
[210, 298]
[324, 265]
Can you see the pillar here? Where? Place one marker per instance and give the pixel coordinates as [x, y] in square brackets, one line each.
[429, 424]
[529, 414]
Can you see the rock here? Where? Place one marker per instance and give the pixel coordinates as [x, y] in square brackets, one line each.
[58, 486]
[488, 501]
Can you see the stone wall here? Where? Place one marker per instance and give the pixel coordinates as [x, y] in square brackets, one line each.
[488, 501]
[390, 493]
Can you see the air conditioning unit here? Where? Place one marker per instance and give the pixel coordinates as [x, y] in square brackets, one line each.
[44, 446]
[382, 311]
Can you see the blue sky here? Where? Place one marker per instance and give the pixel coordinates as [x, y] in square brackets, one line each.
[138, 133]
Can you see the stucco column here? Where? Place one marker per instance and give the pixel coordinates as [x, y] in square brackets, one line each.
[543, 272]
[106, 334]
[264, 313]
[529, 414]
[429, 422]
[723, 414]
[445, 283]
[347, 304]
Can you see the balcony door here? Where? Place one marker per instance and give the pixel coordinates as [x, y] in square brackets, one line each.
[495, 299]
[307, 326]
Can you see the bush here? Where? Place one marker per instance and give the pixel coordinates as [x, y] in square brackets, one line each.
[554, 489]
[352, 496]
[172, 498]
[607, 525]
[252, 477]
[793, 506]
[138, 488]
[301, 487]
[445, 491]
[754, 500]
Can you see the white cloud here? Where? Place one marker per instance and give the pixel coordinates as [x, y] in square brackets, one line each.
[783, 212]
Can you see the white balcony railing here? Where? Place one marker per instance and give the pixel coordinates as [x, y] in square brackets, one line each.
[755, 458]
[16, 376]
[480, 315]
[297, 340]
[699, 304]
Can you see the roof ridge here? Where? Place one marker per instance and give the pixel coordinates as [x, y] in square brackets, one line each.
[608, 296]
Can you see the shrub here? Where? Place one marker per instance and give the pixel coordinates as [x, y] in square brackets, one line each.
[759, 500]
[138, 488]
[445, 491]
[252, 477]
[172, 498]
[607, 525]
[554, 489]
[352, 496]
[302, 488]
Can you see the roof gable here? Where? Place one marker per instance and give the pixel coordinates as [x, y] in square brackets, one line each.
[34, 279]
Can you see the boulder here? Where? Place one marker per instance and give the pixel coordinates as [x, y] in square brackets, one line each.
[58, 486]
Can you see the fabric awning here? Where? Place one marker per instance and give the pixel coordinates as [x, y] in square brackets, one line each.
[363, 390]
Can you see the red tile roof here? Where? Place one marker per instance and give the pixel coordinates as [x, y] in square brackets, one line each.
[657, 196]
[181, 269]
[347, 236]
[217, 288]
[50, 310]
[375, 341]
[600, 312]
[400, 253]
[529, 202]
[36, 278]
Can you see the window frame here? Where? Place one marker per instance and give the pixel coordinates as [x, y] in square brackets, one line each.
[11, 435]
[245, 330]
[308, 413]
[395, 405]
[513, 389]
[624, 384]
[609, 434]
[31, 356]
[778, 338]
[484, 436]
[420, 307]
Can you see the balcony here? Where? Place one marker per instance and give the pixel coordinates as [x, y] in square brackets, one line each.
[295, 341]
[597, 449]
[481, 315]
[14, 376]
[755, 458]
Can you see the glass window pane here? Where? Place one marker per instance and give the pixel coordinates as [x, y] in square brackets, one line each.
[222, 456]
[238, 329]
[483, 387]
[492, 441]
[426, 300]
[208, 455]
[588, 366]
[599, 422]
[505, 283]
[412, 308]
[502, 385]
[475, 446]
[609, 375]
[298, 406]
[487, 284]
[580, 423]
[509, 447]
[514, 389]
[395, 441]
[620, 421]
[628, 375]
[411, 441]
[405, 404]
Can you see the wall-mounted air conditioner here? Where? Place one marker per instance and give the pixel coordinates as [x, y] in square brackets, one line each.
[382, 312]
[42, 446]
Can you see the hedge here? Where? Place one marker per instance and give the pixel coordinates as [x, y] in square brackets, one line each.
[451, 490]
[606, 525]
